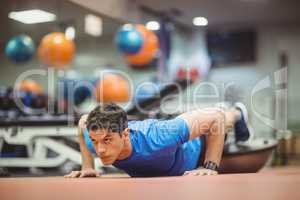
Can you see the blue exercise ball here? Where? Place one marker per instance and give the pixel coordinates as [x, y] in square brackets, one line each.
[129, 40]
[20, 48]
[146, 90]
[75, 91]
[26, 98]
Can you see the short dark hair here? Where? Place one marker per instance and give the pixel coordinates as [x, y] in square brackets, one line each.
[108, 116]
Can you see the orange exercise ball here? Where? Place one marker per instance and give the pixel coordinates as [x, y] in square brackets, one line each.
[56, 50]
[148, 50]
[32, 86]
[112, 88]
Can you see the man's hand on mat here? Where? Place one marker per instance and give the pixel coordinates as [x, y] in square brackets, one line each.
[83, 173]
[82, 121]
[200, 172]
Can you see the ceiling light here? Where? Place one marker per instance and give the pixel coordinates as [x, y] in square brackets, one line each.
[153, 25]
[70, 33]
[200, 21]
[93, 25]
[32, 16]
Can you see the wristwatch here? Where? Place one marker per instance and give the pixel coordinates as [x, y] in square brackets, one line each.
[211, 165]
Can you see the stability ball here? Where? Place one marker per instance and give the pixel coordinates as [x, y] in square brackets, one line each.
[32, 86]
[56, 50]
[128, 39]
[146, 90]
[25, 97]
[75, 91]
[20, 48]
[112, 88]
[148, 50]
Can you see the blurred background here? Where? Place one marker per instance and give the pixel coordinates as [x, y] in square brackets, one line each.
[156, 59]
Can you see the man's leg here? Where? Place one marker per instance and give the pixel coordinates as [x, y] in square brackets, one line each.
[241, 127]
[211, 120]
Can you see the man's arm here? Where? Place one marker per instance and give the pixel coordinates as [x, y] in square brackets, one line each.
[87, 159]
[214, 123]
[214, 148]
[213, 155]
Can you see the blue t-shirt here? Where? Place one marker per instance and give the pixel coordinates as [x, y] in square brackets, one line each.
[159, 148]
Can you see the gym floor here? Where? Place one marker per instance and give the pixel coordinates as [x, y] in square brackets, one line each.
[278, 183]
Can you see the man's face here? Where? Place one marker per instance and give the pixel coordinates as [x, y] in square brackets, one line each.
[108, 145]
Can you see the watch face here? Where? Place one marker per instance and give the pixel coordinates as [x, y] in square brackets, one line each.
[211, 165]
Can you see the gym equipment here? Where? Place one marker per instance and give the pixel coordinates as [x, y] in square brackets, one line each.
[192, 74]
[146, 90]
[181, 74]
[40, 134]
[56, 50]
[153, 102]
[37, 146]
[4, 101]
[26, 97]
[112, 88]
[249, 158]
[128, 39]
[75, 91]
[29, 94]
[30, 85]
[148, 49]
[4, 172]
[39, 101]
[7, 100]
[20, 48]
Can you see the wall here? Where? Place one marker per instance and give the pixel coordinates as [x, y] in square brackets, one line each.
[118, 9]
[271, 41]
